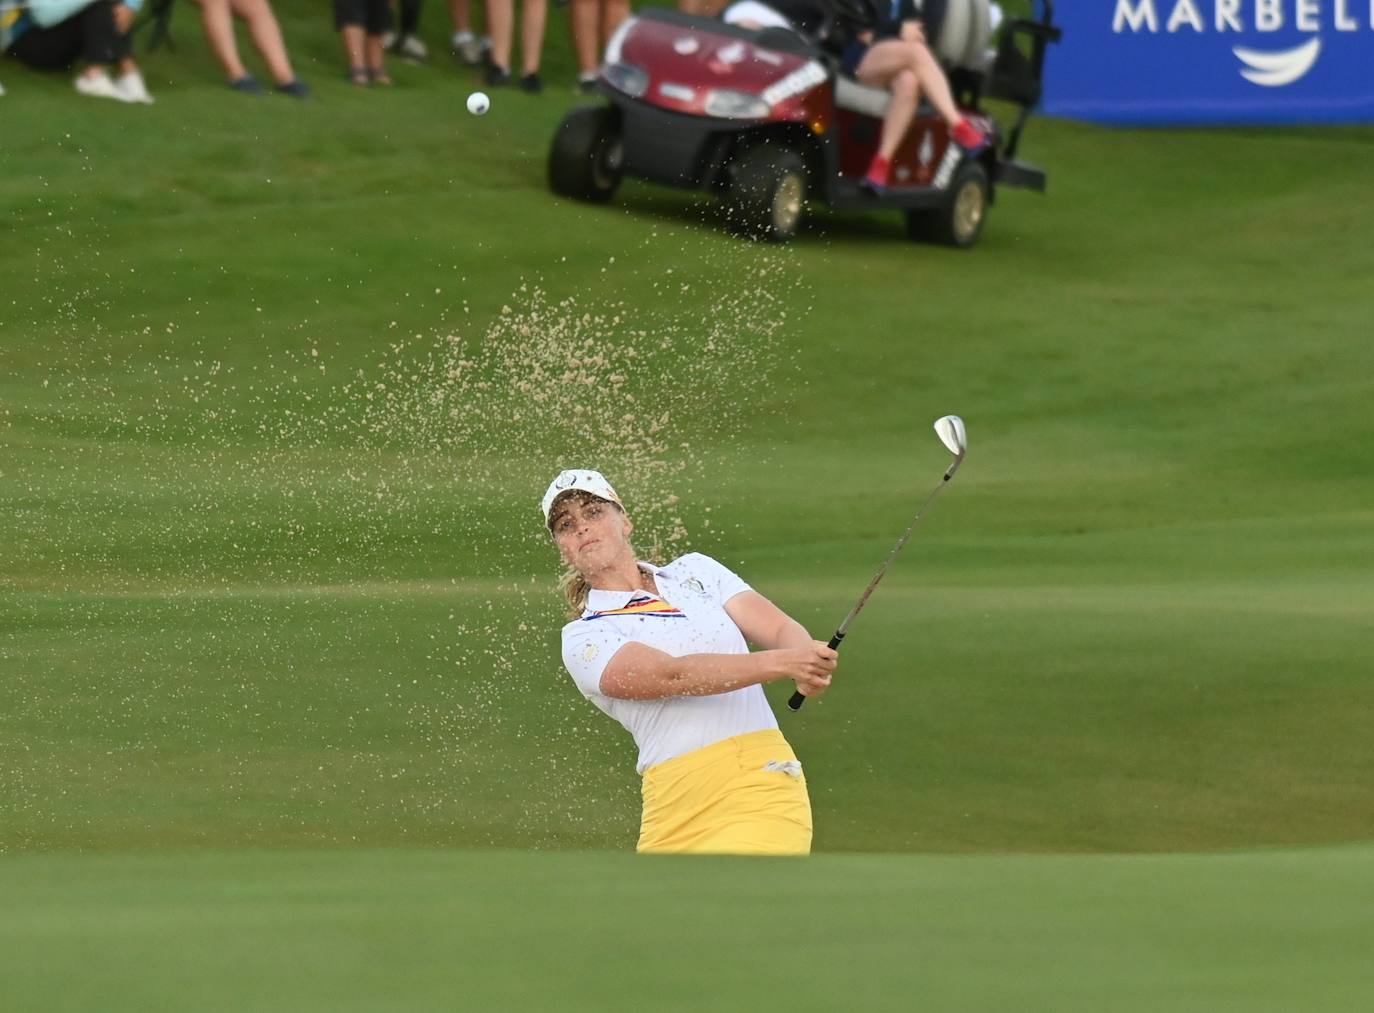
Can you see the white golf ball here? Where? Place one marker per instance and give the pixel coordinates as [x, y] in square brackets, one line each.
[478, 103]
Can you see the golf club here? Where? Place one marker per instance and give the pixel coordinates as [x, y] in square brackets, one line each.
[950, 429]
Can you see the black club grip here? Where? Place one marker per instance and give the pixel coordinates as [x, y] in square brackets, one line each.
[795, 701]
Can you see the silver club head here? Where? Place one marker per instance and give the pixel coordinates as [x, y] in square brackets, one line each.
[950, 429]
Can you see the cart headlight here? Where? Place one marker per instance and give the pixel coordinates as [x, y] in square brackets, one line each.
[626, 77]
[735, 105]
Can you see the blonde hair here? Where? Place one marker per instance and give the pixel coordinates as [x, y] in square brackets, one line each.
[574, 587]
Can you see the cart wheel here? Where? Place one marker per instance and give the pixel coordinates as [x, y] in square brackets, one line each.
[768, 192]
[587, 159]
[959, 221]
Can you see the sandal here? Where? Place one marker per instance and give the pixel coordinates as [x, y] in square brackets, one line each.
[379, 76]
[359, 76]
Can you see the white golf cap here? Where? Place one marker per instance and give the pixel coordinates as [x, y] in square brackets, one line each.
[579, 480]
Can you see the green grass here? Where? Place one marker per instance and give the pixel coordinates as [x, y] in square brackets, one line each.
[254, 598]
[249, 930]
[279, 683]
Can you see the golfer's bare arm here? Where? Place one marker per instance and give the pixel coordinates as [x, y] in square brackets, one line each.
[639, 672]
[764, 624]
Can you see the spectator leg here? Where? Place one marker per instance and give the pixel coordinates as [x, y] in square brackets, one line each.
[375, 55]
[888, 64]
[584, 18]
[902, 110]
[500, 24]
[534, 15]
[461, 13]
[613, 15]
[353, 36]
[266, 35]
[934, 83]
[101, 42]
[217, 21]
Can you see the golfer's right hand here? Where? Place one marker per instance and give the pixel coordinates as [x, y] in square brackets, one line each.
[810, 667]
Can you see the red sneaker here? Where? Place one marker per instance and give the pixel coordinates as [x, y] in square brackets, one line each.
[969, 137]
[875, 180]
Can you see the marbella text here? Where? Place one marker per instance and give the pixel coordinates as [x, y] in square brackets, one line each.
[1243, 15]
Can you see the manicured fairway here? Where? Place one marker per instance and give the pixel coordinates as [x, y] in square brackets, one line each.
[345, 930]
[282, 721]
[282, 384]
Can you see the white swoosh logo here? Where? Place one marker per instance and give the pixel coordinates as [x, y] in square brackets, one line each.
[1274, 70]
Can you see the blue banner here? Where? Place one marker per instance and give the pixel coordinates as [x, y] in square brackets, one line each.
[1213, 61]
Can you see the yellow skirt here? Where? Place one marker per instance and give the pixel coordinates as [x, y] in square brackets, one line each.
[744, 795]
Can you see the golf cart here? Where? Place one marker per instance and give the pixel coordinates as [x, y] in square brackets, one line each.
[764, 119]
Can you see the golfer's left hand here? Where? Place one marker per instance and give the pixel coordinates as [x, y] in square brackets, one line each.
[812, 675]
[123, 19]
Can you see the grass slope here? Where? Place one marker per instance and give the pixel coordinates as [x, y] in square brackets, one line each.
[233, 615]
[349, 930]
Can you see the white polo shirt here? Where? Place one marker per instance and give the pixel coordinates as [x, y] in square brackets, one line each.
[686, 617]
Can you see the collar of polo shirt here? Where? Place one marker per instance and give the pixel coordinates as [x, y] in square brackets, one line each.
[600, 601]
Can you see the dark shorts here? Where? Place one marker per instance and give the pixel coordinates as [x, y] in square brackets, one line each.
[852, 56]
[89, 35]
[373, 16]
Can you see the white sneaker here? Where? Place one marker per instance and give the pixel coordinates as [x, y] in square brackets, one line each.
[413, 48]
[2, 89]
[131, 84]
[388, 39]
[99, 85]
[468, 47]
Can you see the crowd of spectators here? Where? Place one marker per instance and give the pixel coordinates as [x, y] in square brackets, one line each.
[94, 39]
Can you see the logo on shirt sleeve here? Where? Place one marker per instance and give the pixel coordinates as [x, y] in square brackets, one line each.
[590, 652]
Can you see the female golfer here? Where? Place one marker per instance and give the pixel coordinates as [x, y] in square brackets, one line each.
[663, 651]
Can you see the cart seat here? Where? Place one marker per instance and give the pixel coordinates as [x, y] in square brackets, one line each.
[860, 98]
